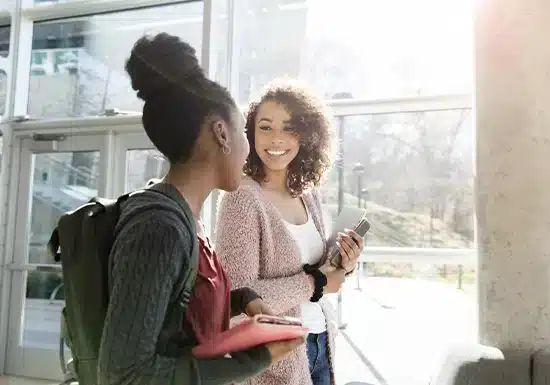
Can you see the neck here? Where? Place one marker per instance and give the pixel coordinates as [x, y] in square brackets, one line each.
[276, 180]
[194, 182]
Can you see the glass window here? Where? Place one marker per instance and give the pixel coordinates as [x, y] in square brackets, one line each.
[43, 304]
[413, 172]
[4, 40]
[50, 2]
[3, 91]
[77, 65]
[142, 166]
[4, 52]
[369, 49]
[61, 182]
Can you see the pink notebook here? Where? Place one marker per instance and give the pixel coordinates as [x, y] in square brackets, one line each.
[252, 332]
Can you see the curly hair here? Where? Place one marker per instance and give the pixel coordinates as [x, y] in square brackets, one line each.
[310, 120]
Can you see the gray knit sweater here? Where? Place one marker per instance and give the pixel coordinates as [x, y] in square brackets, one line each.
[152, 247]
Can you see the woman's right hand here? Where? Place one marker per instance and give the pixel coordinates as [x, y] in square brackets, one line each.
[280, 349]
[335, 278]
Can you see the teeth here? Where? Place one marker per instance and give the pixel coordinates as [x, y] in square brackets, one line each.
[276, 153]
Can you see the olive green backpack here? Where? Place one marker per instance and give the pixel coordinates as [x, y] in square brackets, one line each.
[82, 242]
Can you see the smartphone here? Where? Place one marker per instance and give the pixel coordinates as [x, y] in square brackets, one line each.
[275, 320]
[361, 229]
[254, 331]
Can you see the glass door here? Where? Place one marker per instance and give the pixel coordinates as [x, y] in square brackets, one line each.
[136, 163]
[56, 175]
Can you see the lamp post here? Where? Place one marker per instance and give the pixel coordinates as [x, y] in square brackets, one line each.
[340, 167]
[365, 196]
[359, 170]
[341, 140]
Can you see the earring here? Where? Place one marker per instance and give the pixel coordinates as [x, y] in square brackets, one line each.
[226, 150]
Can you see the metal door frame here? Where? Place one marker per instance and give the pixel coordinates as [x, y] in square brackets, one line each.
[20, 360]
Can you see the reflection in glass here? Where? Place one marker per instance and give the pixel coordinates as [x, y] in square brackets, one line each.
[369, 49]
[61, 182]
[142, 166]
[3, 91]
[42, 313]
[4, 51]
[413, 172]
[48, 2]
[5, 31]
[77, 65]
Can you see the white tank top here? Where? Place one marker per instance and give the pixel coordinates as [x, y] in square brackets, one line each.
[311, 247]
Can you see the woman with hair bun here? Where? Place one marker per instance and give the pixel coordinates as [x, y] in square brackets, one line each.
[195, 124]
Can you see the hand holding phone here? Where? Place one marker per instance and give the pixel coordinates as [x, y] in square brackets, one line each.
[350, 247]
[254, 331]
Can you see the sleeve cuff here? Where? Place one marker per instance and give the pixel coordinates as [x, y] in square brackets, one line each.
[223, 371]
[240, 298]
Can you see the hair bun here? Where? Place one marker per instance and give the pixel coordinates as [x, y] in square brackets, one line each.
[162, 62]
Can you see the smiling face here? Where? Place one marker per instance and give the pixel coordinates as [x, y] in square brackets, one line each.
[275, 140]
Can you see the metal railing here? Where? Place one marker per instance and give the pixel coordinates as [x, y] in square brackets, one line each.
[56, 183]
[59, 173]
[460, 257]
[420, 255]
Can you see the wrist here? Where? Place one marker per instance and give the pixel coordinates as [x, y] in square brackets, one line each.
[319, 281]
[242, 297]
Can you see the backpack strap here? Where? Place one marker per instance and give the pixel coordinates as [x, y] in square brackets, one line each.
[188, 276]
[172, 193]
[53, 246]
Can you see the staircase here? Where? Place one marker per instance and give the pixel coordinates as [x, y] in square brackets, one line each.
[62, 186]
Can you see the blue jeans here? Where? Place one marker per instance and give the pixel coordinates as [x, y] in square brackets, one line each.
[319, 366]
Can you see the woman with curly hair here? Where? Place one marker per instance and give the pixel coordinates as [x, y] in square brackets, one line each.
[271, 232]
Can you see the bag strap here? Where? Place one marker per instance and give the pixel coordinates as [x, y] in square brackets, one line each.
[53, 246]
[185, 329]
[171, 192]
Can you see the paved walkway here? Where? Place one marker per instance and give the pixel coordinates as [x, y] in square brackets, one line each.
[397, 328]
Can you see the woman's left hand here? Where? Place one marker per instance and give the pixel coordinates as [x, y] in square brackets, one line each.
[350, 245]
[258, 306]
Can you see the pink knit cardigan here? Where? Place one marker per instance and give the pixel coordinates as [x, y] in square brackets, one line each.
[258, 251]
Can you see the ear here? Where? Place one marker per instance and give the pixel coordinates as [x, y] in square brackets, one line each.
[220, 130]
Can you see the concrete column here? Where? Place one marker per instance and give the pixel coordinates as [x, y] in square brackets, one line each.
[513, 171]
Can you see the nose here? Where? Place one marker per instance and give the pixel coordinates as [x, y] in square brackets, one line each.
[277, 137]
[277, 141]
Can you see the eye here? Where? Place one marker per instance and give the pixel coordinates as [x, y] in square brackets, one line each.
[289, 129]
[265, 128]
